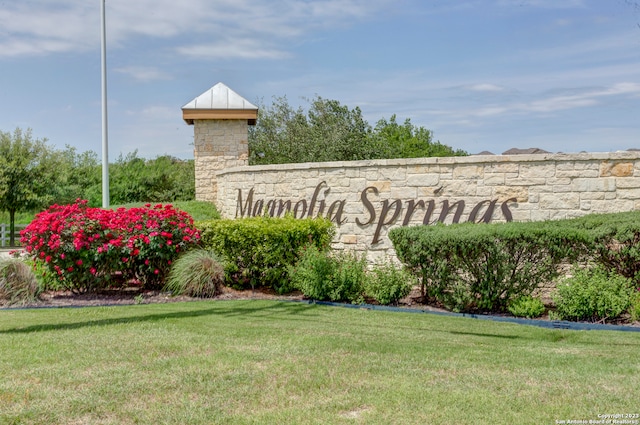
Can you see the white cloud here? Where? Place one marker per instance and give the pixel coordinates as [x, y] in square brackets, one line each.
[462, 112]
[34, 28]
[143, 73]
[588, 97]
[485, 87]
[51, 26]
[543, 4]
[233, 49]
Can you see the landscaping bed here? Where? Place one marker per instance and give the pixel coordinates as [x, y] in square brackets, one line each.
[136, 295]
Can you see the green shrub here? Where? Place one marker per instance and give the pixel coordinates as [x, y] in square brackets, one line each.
[312, 272]
[347, 283]
[387, 283]
[526, 306]
[197, 273]
[329, 277]
[259, 250]
[18, 284]
[481, 267]
[615, 241]
[593, 294]
[634, 307]
[47, 279]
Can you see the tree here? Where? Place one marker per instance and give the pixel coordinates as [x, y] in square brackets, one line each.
[337, 133]
[80, 177]
[28, 172]
[408, 141]
[328, 132]
[164, 179]
[333, 132]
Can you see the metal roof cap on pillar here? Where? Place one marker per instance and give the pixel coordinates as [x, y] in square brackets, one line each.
[219, 103]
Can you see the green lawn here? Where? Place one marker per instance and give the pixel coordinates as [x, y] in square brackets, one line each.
[199, 210]
[266, 362]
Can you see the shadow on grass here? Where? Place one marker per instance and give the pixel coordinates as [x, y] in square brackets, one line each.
[217, 311]
[484, 335]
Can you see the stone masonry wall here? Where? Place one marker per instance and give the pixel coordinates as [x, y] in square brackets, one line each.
[368, 198]
[218, 145]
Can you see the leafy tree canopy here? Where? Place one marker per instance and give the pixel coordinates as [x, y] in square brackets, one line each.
[163, 179]
[34, 175]
[28, 172]
[330, 131]
[408, 141]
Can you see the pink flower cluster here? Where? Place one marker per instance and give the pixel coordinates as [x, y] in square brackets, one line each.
[86, 248]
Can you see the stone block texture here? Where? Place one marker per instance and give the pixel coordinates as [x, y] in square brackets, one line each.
[218, 145]
[368, 198]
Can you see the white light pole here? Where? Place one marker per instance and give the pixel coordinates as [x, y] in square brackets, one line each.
[105, 143]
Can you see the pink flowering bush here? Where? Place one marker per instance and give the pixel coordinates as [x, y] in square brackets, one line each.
[84, 248]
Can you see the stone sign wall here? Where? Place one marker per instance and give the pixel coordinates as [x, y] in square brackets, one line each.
[367, 198]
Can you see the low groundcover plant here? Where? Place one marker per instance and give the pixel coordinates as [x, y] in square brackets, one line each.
[82, 248]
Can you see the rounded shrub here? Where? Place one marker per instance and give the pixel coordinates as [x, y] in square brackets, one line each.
[260, 250]
[481, 268]
[387, 283]
[324, 276]
[526, 306]
[88, 248]
[594, 295]
[197, 273]
[18, 283]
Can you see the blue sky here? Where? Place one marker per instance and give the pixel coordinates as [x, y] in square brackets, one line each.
[561, 75]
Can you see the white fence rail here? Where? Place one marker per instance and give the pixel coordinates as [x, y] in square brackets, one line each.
[5, 234]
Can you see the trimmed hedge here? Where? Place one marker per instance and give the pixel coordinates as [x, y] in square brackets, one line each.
[259, 250]
[482, 267]
[615, 241]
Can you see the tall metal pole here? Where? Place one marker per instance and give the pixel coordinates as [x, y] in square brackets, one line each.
[105, 142]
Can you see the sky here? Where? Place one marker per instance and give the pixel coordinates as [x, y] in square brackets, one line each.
[559, 75]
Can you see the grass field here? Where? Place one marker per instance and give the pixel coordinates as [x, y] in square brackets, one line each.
[269, 362]
[199, 210]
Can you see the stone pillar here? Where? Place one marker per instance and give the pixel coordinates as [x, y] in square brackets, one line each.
[220, 118]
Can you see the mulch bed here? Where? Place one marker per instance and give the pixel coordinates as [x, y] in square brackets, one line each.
[135, 295]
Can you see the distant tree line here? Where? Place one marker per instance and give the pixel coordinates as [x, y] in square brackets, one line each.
[34, 175]
[329, 131]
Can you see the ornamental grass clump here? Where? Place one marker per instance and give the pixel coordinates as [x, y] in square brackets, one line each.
[85, 249]
[198, 273]
[18, 284]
